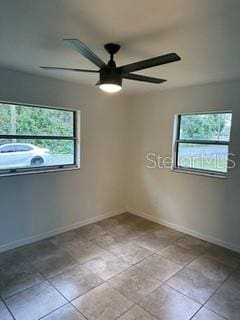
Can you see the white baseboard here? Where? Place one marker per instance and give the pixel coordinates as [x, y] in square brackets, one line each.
[190, 232]
[21, 242]
[41, 236]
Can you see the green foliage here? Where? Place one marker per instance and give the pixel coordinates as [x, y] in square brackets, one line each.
[206, 126]
[24, 120]
[5, 119]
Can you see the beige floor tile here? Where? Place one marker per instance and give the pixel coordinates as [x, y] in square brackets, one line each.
[179, 255]
[14, 256]
[132, 253]
[129, 218]
[67, 312]
[158, 267]
[84, 252]
[225, 256]
[137, 313]
[194, 285]
[79, 242]
[91, 231]
[36, 302]
[75, 281]
[4, 313]
[54, 263]
[194, 243]
[109, 241]
[145, 227]
[226, 301]
[149, 225]
[211, 268]
[167, 304]
[125, 225]
[109, 223]
[168, 234]
[106, 266]
[126, 230]
[205, 314]
[122, 219]
[66, 238]
[102, 303]
[17, 277]
[134, 284]
[151, 242]
[37, 250]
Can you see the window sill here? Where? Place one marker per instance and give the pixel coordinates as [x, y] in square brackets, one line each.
[38, 171]
[200, 173]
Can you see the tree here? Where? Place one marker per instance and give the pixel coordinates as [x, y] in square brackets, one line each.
[38, 121]
[213, 126]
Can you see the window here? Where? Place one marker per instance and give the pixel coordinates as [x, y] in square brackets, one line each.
[22, 148]
[201, 143]
[36, 138]
[6, 149]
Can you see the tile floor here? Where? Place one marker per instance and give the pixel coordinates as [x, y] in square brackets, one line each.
[124, 268]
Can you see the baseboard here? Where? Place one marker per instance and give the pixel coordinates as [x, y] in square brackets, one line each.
[21, 242]
[185, 230]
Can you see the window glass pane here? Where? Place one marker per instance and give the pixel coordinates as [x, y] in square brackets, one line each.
[205, 157]
[5, 119]
[213, 126]
[27, 120]
[6, 148]
[22, 147]
[37, 153]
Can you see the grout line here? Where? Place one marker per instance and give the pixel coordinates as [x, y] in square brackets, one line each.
[4, 303]
[196, 312]
[201, 304]
[47, 314]
[126, 311]
[67, 300]
[85, 317]
[185, 267]
[132, 241]
[233, 271]
[202, 307]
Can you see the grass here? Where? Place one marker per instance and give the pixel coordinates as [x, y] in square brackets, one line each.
[209, 164]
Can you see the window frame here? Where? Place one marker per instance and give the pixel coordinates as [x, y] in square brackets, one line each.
[177, 141]
[50, 168]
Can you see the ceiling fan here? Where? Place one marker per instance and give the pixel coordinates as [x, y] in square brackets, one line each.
[111, 76]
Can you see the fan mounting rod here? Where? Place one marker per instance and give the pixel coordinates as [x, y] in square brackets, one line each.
[112, 48]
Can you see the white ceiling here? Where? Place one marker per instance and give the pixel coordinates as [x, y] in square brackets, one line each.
[205, 33]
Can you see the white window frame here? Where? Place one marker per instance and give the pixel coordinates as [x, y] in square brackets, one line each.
[53, 168]
[177, 140]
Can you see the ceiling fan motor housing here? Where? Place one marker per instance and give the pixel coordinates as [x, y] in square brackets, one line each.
[109, 75]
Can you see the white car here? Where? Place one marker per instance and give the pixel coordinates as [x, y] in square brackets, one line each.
[17, 155]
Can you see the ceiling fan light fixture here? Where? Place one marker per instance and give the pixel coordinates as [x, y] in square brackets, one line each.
[110, 81]
[110, 87]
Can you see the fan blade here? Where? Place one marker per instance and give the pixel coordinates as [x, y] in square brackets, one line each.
[138, 77]
[69, 69]
[149, 63]
[85, 51]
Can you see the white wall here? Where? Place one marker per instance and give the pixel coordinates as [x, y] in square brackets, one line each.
[116, 134]
[35, 205]
[205, 206]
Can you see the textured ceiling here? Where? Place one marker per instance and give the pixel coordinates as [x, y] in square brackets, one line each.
[205, 33]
